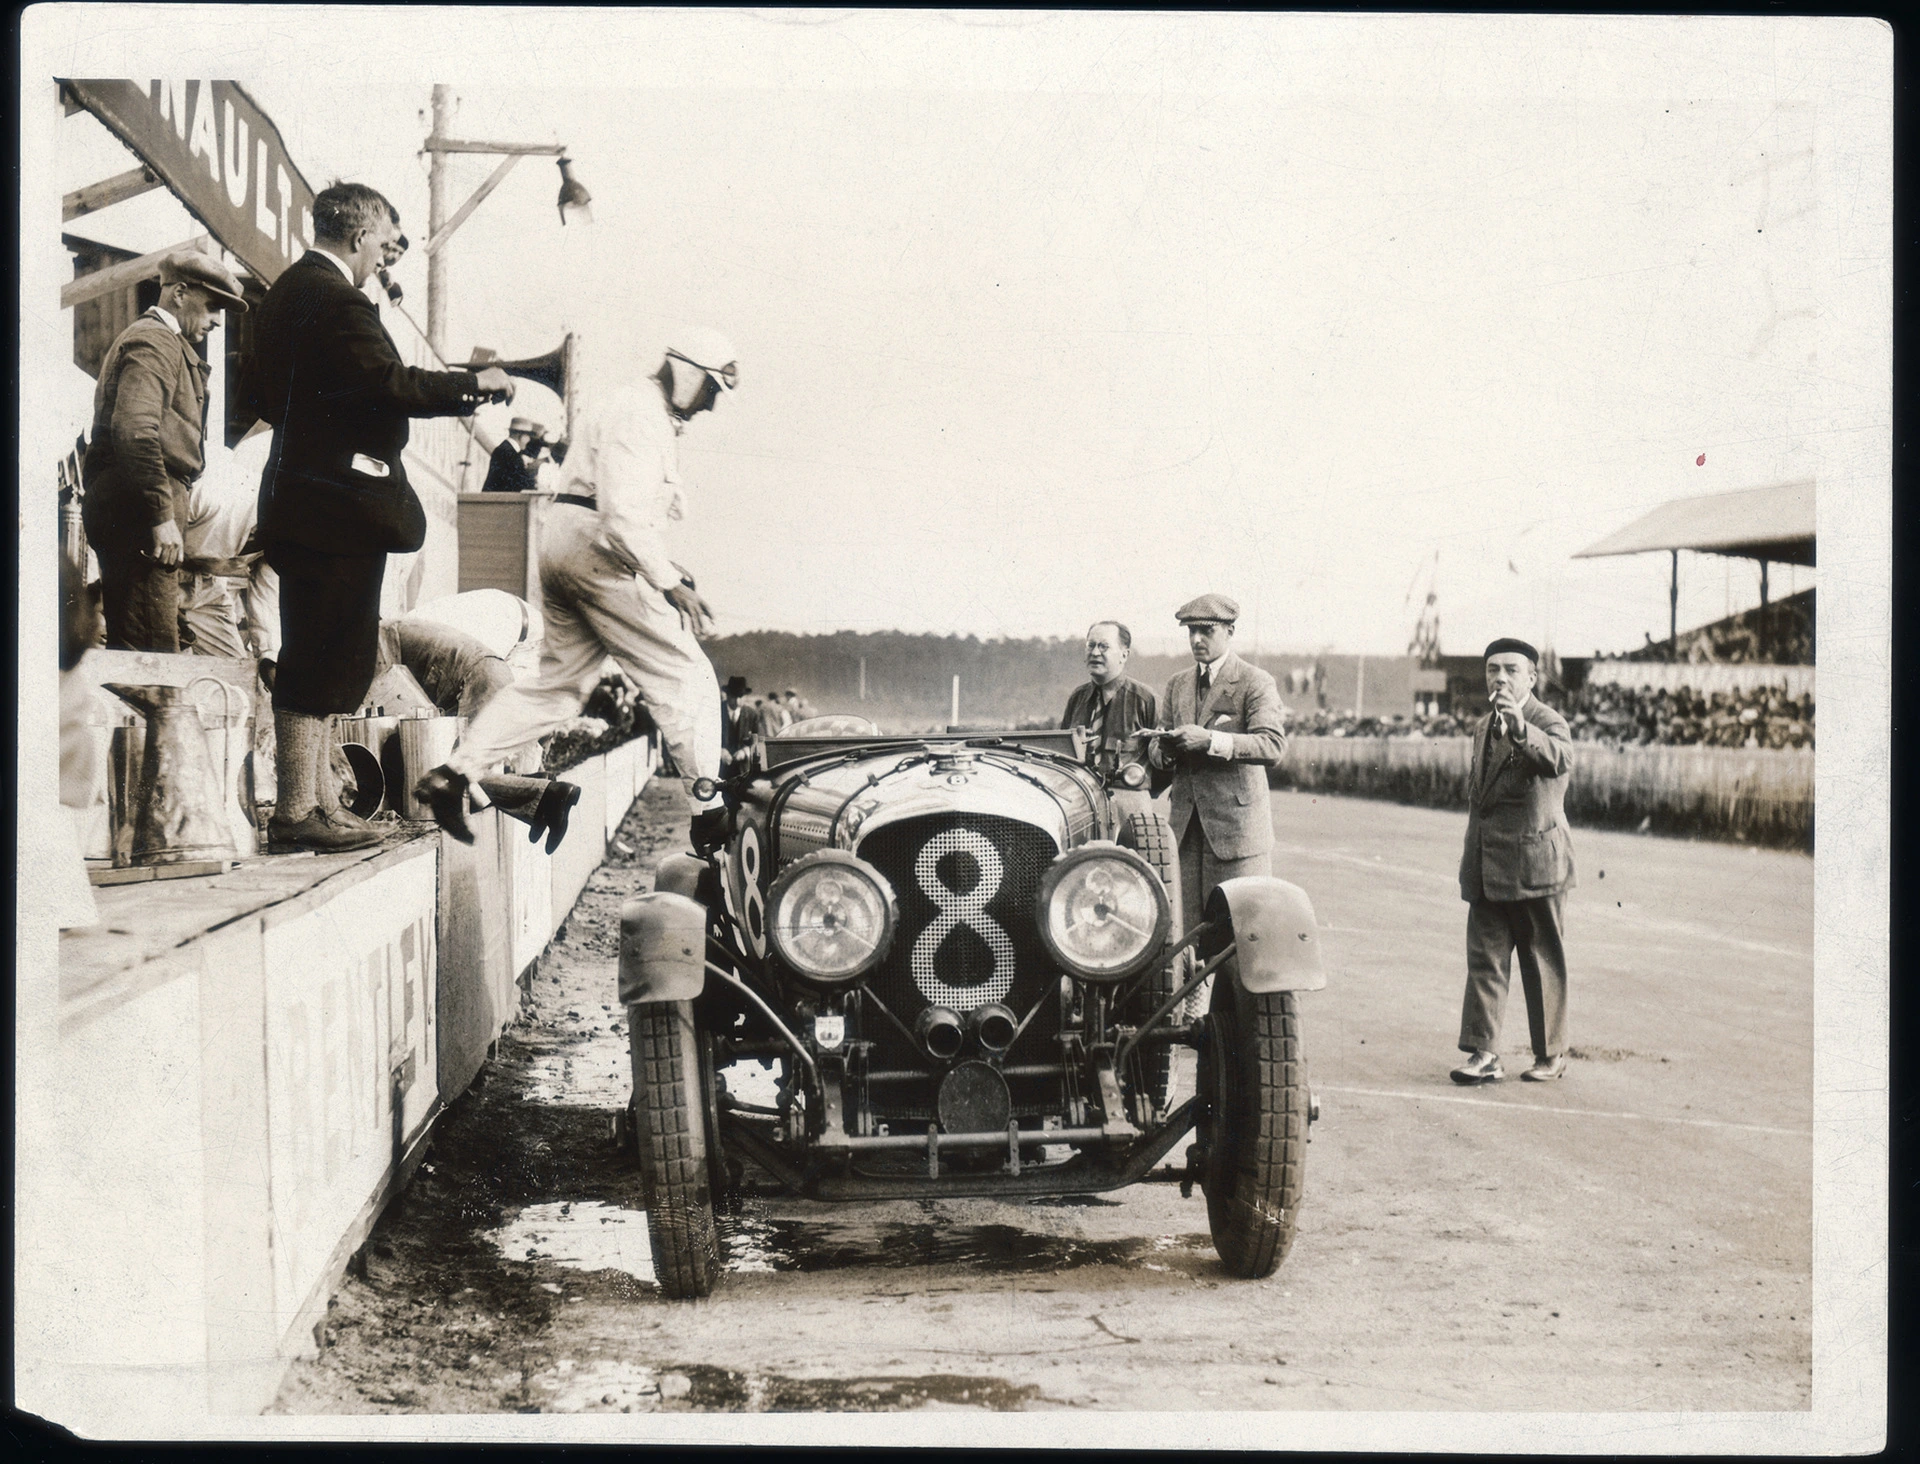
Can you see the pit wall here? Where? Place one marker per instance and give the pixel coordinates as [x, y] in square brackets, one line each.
[1757, 795]
[241, 1111]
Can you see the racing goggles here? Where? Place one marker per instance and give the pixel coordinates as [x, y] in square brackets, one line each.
[725, 377]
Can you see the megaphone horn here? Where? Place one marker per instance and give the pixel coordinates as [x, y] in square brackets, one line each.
[550, 370]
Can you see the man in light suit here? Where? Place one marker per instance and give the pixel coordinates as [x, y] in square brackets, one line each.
[1516, 869]
[1228, 727]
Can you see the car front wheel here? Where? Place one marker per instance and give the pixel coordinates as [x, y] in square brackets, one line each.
[675, 1142]
[1253, 1081]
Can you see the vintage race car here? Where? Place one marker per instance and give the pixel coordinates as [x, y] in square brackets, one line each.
[960, 953]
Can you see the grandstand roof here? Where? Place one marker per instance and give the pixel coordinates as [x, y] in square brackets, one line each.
[1773, 523]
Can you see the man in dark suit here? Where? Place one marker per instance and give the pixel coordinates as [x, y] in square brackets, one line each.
[1516, 869]
[147, 449]
[511, 468]
[327, 376]
[1110, 706]
[1228, 727]
[740, 722]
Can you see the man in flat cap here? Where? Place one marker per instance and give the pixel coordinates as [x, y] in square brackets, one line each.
[512, 467]
[1228, 727]
[148, 446]
[1517, 868]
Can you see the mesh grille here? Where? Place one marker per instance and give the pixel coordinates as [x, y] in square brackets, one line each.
[966, 885]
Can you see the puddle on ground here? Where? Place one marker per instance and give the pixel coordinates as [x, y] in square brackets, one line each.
[585, 1235]
[611, 1385]
[603, 1385]
[593, 1075]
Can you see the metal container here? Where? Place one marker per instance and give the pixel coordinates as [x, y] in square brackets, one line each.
[229, 734]
[375, 759]
[182, 804]
[425, 743]
[127, 745]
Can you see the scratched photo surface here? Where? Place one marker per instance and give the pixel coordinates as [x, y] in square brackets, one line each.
[1375, 325]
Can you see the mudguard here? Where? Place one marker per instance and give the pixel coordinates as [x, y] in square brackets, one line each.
[679, 874]
[663, 945]
[1274, 928]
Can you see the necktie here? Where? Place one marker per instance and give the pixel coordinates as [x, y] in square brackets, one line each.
[1206, 679]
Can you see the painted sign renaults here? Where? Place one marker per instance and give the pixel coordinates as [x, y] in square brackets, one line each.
[221, 155]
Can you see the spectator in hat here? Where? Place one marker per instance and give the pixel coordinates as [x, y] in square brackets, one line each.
[148, 447]
[1226, 727]
[1516, 869]
[514, 464]
[740, 720]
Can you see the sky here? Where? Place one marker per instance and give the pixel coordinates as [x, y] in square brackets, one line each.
[1043, 319]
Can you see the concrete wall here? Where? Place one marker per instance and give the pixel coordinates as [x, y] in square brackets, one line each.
[235, 1112]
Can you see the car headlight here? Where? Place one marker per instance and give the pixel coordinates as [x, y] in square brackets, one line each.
[1103, 912]
[831, 916]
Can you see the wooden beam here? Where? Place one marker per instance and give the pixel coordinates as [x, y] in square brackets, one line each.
[116, 189]
[522, 149]
[439, 240]
[119, 276]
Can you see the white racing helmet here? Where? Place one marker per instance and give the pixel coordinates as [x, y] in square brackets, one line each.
[709, 350]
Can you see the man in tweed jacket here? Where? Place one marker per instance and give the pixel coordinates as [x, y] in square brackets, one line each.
[1227, 728]
[1516, 869]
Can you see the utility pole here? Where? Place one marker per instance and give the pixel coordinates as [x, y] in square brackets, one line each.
[954, 719]
[863, 678]
[437, 219]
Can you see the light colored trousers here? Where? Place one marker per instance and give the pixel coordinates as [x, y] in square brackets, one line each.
[1200, 870]
[593, 610]
[1535, 931]
[221, 610]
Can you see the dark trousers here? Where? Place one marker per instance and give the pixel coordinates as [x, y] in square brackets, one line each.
[329, 629]
[139, 596]
[1496, 929]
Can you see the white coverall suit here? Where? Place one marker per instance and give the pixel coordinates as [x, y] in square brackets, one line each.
[603, 577]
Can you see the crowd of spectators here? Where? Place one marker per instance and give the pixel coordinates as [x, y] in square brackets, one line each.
[1627, 716]
[1619, 716]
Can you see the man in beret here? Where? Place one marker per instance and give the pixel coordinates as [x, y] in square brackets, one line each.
[1227, 728]
[148, 446]
[1517, 868]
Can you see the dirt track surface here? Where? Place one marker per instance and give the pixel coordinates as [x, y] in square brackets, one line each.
[1635, 1237]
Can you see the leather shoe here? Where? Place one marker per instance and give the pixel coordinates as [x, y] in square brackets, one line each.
[445, 792]
[550, 816]
[317, 832]
[1481, 1067]
[1546, 1070]
[710, 829]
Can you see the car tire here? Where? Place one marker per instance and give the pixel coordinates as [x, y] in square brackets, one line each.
[1253, 1081]
[1149, 836]
[671, 1132]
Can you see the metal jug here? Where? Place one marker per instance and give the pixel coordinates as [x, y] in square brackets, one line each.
[229, 735]
[181, 809]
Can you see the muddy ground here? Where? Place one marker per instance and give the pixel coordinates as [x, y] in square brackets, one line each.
[1636, 1237]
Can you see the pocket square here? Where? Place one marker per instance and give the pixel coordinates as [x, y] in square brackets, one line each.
[371, 466]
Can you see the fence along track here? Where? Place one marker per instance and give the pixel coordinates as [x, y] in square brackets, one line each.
[1753, 795]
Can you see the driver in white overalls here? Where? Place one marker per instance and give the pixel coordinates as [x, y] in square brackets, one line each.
[610, 589]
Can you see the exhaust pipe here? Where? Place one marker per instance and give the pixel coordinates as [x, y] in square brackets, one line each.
[940, 1033]
[994, 1025]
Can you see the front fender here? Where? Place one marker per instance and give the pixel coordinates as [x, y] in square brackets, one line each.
[663, 945]
[1274, 928]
